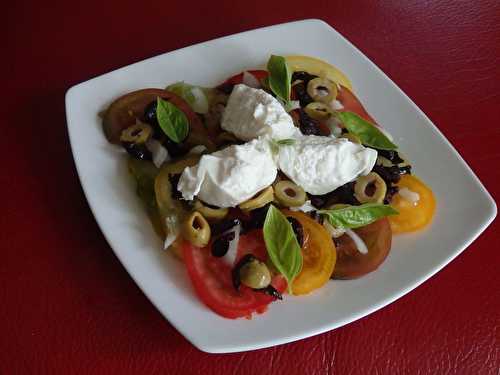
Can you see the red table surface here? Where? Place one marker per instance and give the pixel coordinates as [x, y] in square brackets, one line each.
[68, 306]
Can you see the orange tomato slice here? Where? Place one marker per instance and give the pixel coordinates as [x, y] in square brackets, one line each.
[412, 216]
[318, 252]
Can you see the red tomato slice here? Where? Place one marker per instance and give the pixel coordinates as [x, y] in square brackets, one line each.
[352, 104]
[252, 243]
[211, 279]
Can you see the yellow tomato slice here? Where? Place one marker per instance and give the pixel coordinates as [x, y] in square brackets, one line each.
[318, 253]
[412, 216]
[318, 67]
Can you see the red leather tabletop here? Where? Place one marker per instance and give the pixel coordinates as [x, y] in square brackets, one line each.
[68, 306]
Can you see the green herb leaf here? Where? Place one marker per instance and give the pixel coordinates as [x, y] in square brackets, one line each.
[280, 77]
[172, 120]
[291, 105]
[357, 216]
[286, 142]
[282, 245]
[276, 144]
[275, 148]
[368, 133]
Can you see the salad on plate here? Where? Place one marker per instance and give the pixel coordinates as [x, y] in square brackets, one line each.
[274, 182]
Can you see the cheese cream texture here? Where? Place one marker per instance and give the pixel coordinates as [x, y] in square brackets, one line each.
[251, 113]
[230, 176]
[236, 173]
[322, 164]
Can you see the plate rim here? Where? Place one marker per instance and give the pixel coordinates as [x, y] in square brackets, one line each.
[489, 217]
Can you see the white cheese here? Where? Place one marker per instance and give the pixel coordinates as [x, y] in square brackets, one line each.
[321, 164]
[230, 176]
[251, 113]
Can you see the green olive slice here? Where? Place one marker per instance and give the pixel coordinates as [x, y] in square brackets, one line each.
[167, 206]
[322, 90]
[372, 181]
[138, 133]
[289, 194]
[260, 200]
[318, 111]
[196, 229]
[210, 213]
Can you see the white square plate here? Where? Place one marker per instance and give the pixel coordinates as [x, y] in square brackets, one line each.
[464, 208]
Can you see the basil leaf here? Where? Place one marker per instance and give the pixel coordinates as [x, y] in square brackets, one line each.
[368, 133]
[357, 216]
[286, 142]
[172, 120]
[291, 105]
[280, 77]
[276, 144]
[282, 245]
